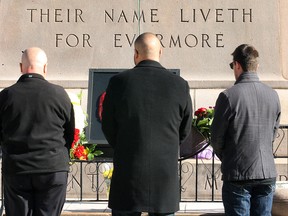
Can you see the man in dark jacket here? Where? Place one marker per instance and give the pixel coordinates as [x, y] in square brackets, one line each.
[147, 113]
[36, 132]
[246, 119]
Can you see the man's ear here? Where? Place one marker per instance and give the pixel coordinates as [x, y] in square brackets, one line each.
[45, 69]
[136, 53]
[238, 66]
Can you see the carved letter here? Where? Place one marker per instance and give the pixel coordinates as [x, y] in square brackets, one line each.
[218, 39]
[78, 15]
[233, 14]
[111, 17]
[116, 38]
[86, 38]
[160, 37]
[44, 14]
[58, 14]
[58, 39]
[205, 38]
[182, 20]
[128, 39]
[122, 15]
[135, 17]
[31, 14]
[154, 15]
[187, 42]
[203, 15]
[175, 42]
[247, 14]
[76, 41]
[219, 14]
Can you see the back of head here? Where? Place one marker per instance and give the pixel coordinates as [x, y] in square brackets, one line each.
[147, 47]
[34, 60]
[247, 56]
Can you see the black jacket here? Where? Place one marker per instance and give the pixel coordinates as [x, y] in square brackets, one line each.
[36, 126]
[147, 113]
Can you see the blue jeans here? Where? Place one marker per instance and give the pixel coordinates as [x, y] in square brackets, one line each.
[247, 199]
[128, 213]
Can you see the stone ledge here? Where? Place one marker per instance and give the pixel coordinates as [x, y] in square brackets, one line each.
[194, 84]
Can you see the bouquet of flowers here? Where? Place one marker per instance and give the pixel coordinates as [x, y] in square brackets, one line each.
[203, 120]
[107, 174]
[80, 149]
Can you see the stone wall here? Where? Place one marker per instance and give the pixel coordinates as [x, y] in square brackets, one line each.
[197, 37]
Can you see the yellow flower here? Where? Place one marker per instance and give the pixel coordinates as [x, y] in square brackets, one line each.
[108, 173]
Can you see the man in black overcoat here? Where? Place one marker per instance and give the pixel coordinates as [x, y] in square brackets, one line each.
[147, 113]
[36, 133]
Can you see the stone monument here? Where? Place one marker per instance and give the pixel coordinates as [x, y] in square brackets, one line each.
[197, 37]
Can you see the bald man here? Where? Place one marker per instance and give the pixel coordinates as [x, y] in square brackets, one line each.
[146, 115]
[36, 132]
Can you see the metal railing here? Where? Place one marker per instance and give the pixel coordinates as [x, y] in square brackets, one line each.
[200, 177]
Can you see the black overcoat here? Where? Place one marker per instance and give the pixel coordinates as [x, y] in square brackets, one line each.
[147, 113]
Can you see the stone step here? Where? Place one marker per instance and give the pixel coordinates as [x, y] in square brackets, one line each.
[109, 214]
[144, 214]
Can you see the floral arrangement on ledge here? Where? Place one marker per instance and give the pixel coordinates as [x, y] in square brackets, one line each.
[203, 120]
[80, 149]
[107, 174]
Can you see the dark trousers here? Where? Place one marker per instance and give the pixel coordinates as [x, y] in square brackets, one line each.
[129, 213]
[35, 194]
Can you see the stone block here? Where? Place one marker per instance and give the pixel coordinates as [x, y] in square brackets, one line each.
[197, 37]
[280, 202]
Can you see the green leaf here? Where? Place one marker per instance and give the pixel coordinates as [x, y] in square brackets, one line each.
[98, 152]
[202, 122]
[90, 156]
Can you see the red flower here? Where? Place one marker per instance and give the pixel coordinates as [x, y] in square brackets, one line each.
[76, 137]
[200, 112]
[81, 152]
[100, 105]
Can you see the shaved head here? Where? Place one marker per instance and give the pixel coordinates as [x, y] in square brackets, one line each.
[147, 46]
[34, 60]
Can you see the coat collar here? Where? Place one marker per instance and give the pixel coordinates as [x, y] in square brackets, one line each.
[247, 77]
[29, 76]
[149, 63]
